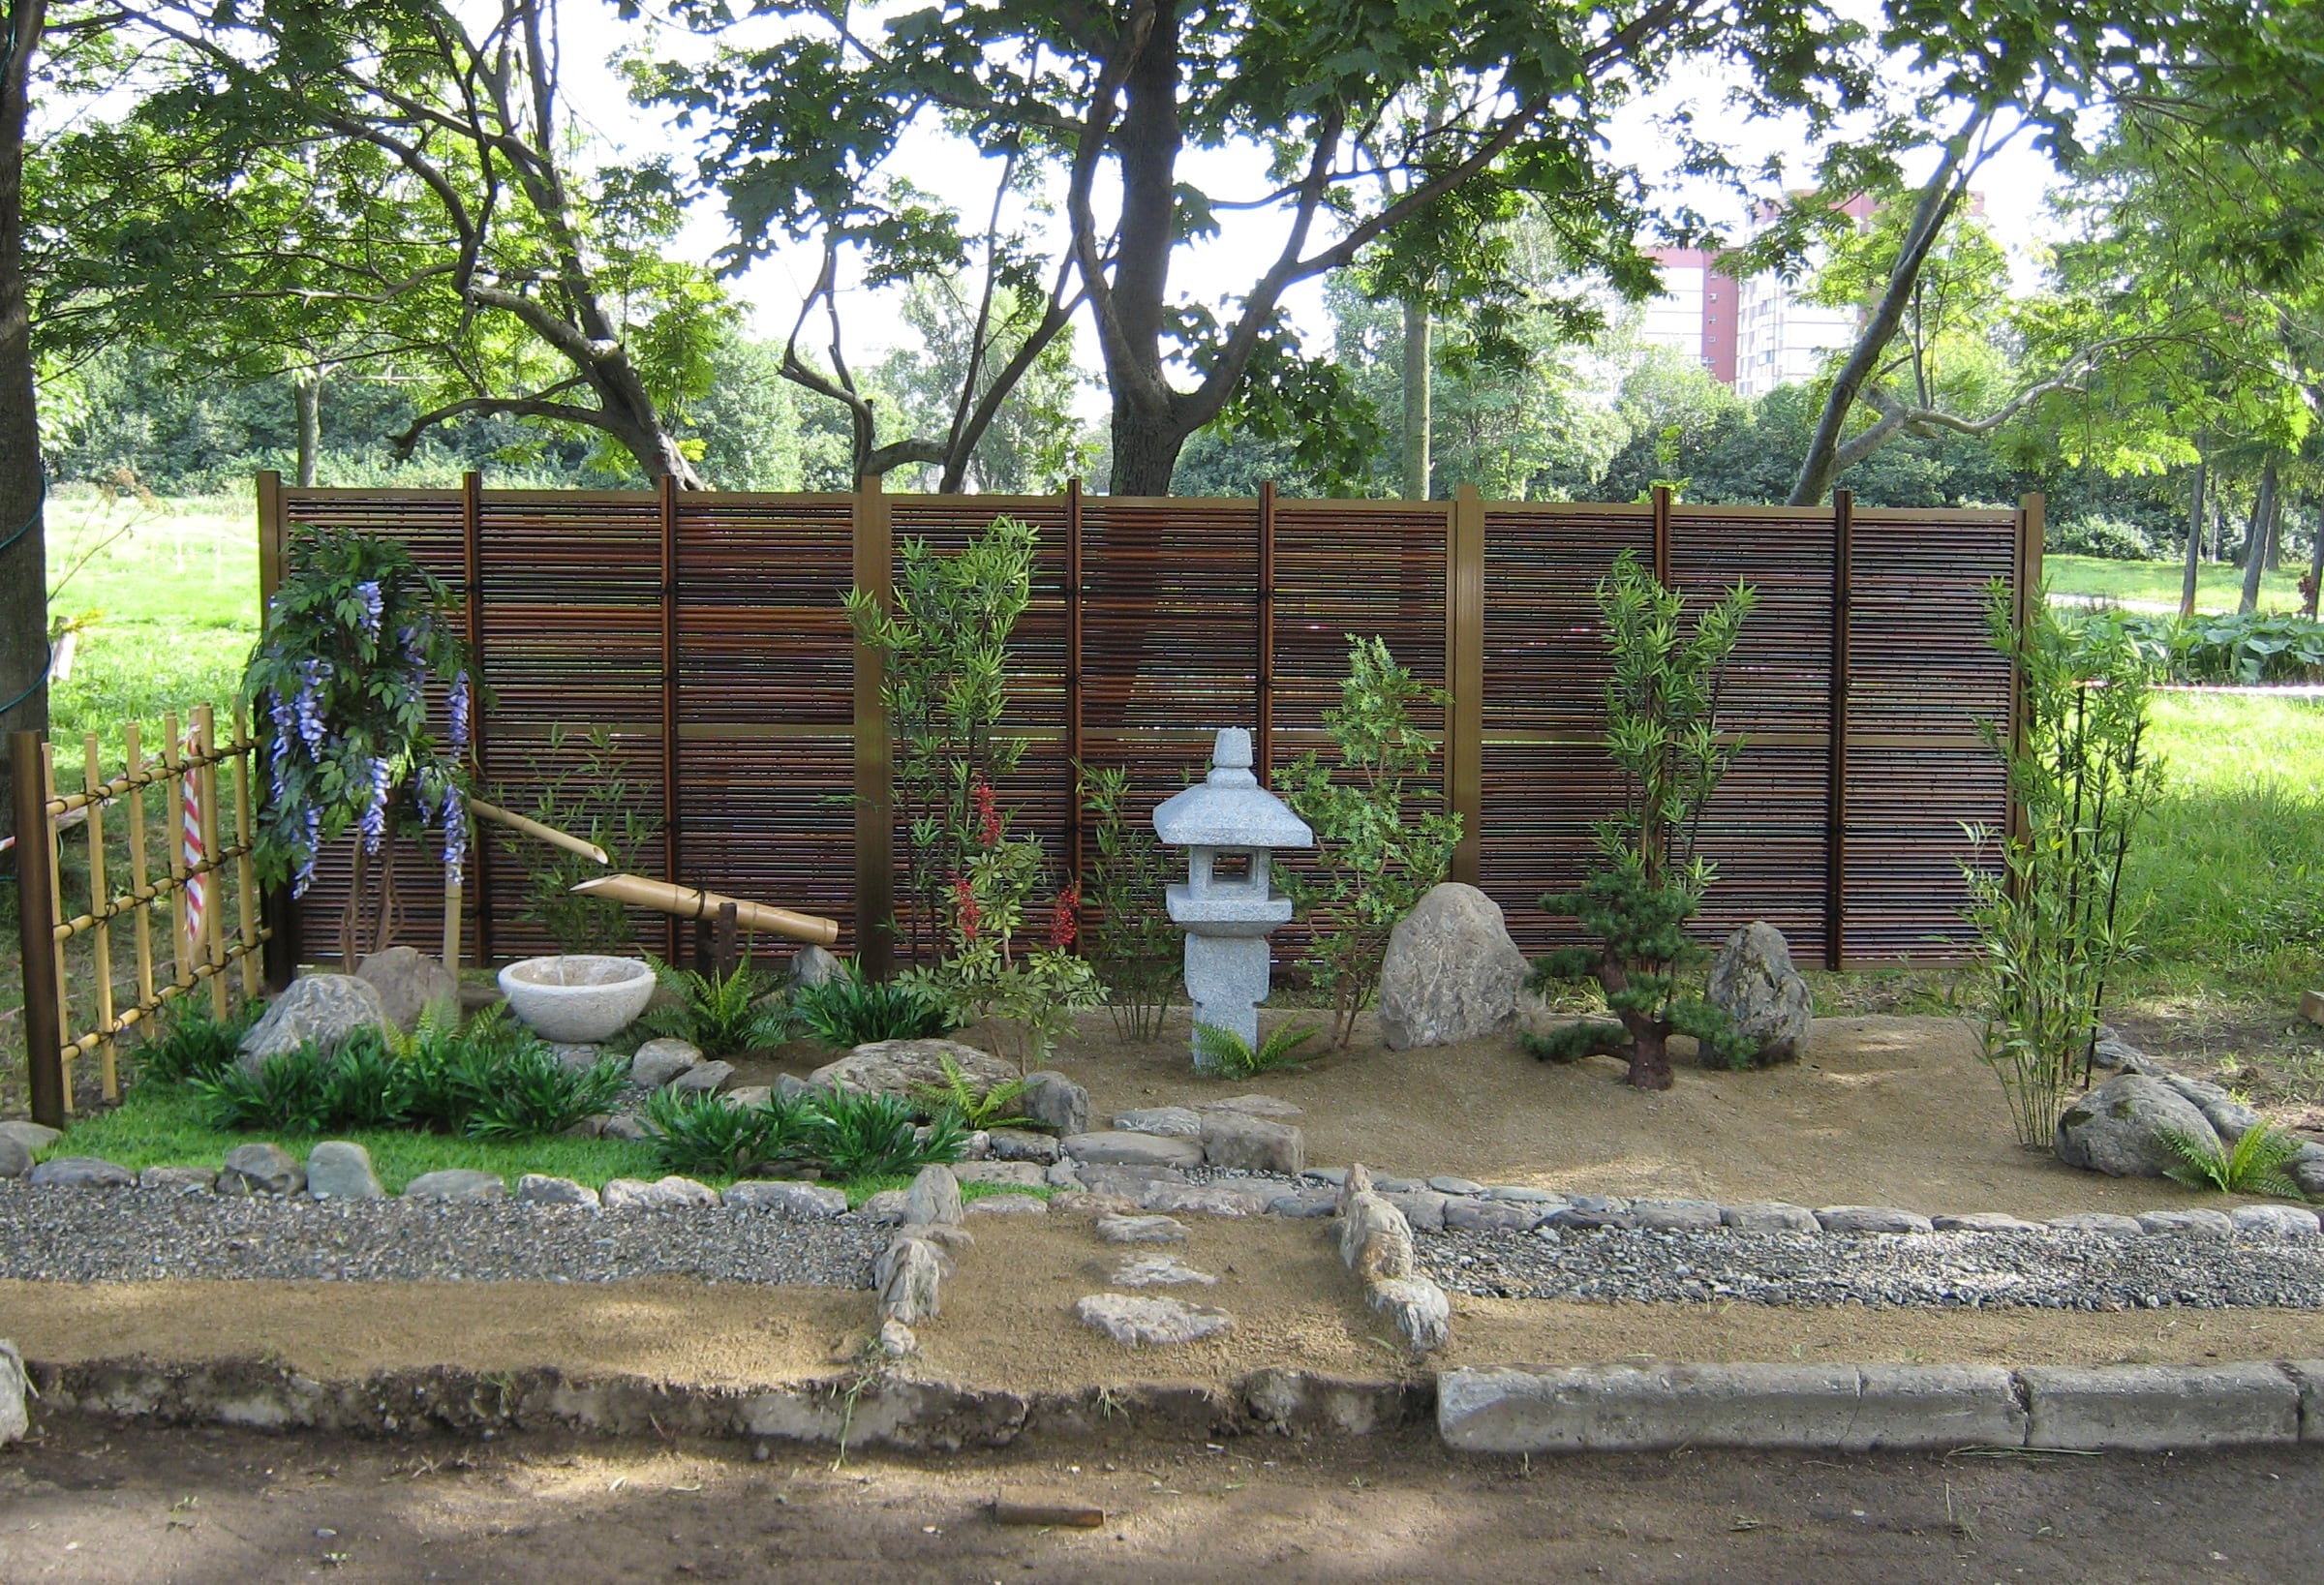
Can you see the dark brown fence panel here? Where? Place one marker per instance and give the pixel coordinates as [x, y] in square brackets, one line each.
[723, 611]
[1921, 674]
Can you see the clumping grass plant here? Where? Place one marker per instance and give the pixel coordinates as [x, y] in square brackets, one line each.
[2052, 920]
[847, 1010]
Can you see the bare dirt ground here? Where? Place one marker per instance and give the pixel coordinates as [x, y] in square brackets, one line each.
[94, 1503]
[1885, 1110]
[1007, 1322]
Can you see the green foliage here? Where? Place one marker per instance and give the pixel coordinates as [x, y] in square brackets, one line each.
[1021, 992]
[354, 635]
[196, 1045]
[976, 1108]
[707, 1135]
[2250, 648]
[717, 1012]
[1375, 856]
[368, 1086]
[847, 1010]
[1663, 735]
[865, 1136]
[534, 1094]
[2253, 1165]
[2107, 538]
[1226, 1054]
[1136, 948]
[1588, 1037]
[944, 643]
[2051, 921]
[583, 791]
[291, 1090]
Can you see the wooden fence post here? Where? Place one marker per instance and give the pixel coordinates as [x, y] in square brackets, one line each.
[275, 909]
[2031, 511]
[472, 573]
[1464, 676]
[672, 845]
[1073, 834]
[36, 923]
[1662, 535]
[875, 537]
[1264, 741]
[1835, 837]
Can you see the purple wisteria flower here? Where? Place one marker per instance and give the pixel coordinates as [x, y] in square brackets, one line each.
[310, 704]
[306, 859]
[279, 709]
[461, 702]
[375, 818]
[455, 834]
[373, 605]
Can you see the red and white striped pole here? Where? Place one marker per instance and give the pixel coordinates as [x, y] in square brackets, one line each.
[196, 896]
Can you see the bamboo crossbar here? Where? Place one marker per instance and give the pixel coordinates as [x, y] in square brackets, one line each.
[64, 803]
[533, 829]
[151, 892]
[135, 1015]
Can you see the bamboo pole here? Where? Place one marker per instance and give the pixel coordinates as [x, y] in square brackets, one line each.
[693, 902]
[540, 833]
[246, 880]
[44, 1026]
[137, 881]
[173, 822]
[56, 910]
[101, 900]
[213, 897]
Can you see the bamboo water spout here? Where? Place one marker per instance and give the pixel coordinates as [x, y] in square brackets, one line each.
[693, 902]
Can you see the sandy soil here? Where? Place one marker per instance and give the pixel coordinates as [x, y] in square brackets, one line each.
[1886, 1110]
[96, 1504]
[1007, 1322]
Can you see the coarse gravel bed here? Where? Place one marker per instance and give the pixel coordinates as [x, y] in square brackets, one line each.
[1950, 1270]
[143, 1234]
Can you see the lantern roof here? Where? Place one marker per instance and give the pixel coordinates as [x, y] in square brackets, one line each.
[1229, 808]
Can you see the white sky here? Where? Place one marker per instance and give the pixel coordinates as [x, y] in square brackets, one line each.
[2014, 186]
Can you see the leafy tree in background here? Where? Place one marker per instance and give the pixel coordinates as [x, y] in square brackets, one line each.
[1032, 442]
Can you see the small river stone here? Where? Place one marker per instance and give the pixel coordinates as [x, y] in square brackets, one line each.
[457, 1183]
[179, 1179]
[703, 1078]
[1869, 1219]
[540, 1189]
[2098, 1221]
[662, 1194]
[1159, 1271]
[1141, 1230]
[1142, 1323]
[2275, 1221]
[1982, 1221]
[341, 1169]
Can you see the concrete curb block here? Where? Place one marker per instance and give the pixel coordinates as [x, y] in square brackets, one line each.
[1859, 1409]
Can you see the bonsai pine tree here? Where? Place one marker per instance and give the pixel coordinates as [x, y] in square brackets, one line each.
[1662, 708]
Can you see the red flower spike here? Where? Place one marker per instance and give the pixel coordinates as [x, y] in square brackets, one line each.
[988, 813]
[964, 908]
[1063, 919]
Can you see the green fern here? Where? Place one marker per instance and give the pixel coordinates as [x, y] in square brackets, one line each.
[2253, 1165]
[959, 1094]
[1229, 1057]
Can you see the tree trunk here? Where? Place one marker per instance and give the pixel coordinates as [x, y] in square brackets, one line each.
[307, 386]
[23, 554]
[1146, 452]
[1419, 377]
[2194, 545]
[2256, 541]
[2315, 559]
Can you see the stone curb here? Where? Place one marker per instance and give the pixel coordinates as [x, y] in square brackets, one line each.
[1864, 1408]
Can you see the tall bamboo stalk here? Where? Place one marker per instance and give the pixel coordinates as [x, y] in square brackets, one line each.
[100, 904]
[56, 911]
[246, 883]
[138, 880]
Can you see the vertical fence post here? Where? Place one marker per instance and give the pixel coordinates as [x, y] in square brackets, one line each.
[142, 915]
[1835, 834]
[1073, 677]
[1266, 674]
[2031, 512]
[245, 872]
[1464, 676]
[874, 538]
[36, 924]
[276, 909]
[673, 847]
[1662, 535]
[472, 573]
[212, 947]
[100, 897]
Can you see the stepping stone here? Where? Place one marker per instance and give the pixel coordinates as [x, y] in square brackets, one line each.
[1312, 1203]
[1158, 1272]
[1170, 1121]
[1146, 1322]
[1021, 1175]
[1524, 1195]
[1022, 1145]
[1117, 1148]
[1141, 1230]
[1208, 1198]
[1455, 1185]
[179, 1179]
[1467, 1215]
[1256, 1106]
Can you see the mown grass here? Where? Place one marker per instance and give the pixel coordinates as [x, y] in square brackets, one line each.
[160, 1126]
[2218, 588]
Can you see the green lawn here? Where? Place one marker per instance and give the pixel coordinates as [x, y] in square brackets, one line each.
[2217, 589]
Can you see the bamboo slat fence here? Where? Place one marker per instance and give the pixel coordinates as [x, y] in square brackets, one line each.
[205, 942]
[705, 631]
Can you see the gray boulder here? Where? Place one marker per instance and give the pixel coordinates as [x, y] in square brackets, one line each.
[576, 1056]
[2306, 1169]
[457, 1183]
[410, 982]
[35, 1138]
[1119, 1149]
[341, 1169]
[934, 1198]
[1754, 983]
[14, 1385]
[2193, 1223]
[1055, 1101]
[79, 1172]
[14, 1160]
[888, 1205]
[799, 1199]
[1869, 1219]
[900, 1067]
[2274, 1221]
[2229, 1118]
[1467, 1215]
[662, 1194]
[326, 1009]
[2119, 1127]
[1176, 1122]
[1022, 1145]
[813, 965]
[1008, 1204]
[1769, 1216]
[1677, 1215]
[658, 1061]
[1235, 1140]
[1452, 972]
[261, 1168]
[2107, 1222]
[703, 1078]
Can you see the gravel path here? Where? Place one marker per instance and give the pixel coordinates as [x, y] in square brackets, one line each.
[141, 1234]
[2045, 1271]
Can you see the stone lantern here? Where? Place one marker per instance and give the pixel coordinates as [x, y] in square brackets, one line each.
[1229, 825]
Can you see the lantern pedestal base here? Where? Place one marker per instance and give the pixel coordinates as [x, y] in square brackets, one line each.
[1226, 981]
